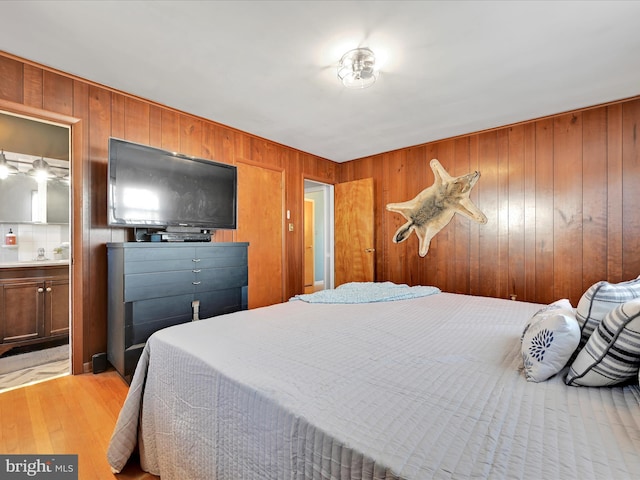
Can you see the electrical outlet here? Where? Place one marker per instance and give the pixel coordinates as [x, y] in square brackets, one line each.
[291, 227]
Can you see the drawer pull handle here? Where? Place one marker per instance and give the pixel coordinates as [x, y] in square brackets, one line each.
[196, 271]
[195, 260]
[196, 283]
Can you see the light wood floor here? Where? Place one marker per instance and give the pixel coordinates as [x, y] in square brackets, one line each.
[67, 415]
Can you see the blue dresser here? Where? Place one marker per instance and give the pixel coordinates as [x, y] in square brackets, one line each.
[157, 285]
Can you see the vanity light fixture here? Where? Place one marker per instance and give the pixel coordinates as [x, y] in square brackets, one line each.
[41, 170]
[62, 176]
[357, 68]
[5, 168]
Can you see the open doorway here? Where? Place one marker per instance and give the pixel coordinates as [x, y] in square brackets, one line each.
[35, 255]
[318, 219]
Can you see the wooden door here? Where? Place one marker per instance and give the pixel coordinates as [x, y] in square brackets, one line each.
[353, 232]
[309, 245]
[261, 223]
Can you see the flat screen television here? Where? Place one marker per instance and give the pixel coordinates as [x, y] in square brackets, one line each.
[153, 188]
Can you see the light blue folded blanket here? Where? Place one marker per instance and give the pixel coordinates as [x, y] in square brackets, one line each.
[367, 292]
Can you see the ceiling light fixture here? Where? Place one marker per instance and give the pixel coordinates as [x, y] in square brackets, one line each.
[357, 68]
[5, 168]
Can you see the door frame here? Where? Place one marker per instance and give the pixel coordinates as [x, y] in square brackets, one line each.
[77, 219]
[309, 228]
[311, 185]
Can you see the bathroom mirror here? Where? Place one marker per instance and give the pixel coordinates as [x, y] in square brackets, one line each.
[27, 145]
[24, 199]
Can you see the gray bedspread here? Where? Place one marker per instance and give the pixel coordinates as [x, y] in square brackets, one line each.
[414, 389]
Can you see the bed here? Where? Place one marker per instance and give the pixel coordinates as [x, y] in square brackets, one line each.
[416, 388]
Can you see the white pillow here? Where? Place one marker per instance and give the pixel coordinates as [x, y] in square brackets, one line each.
[549, 342]
[599, 300]
[556, 307]
[612, 354]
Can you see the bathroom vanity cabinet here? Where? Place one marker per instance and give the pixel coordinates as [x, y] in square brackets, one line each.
[34, 305]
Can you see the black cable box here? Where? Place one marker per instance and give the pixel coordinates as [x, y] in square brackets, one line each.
[184, 237]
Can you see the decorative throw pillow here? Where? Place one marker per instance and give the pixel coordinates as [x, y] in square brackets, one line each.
[612, 354]
[549, 343]
[559, 306]
[599, 300]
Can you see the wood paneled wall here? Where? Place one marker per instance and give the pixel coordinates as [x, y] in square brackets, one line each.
[562, 195]
[104, 112]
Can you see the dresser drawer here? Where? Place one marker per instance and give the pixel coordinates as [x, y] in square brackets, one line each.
[169, 259]
[213, 258]
[221, 278]
[143, 286]
[159, 260]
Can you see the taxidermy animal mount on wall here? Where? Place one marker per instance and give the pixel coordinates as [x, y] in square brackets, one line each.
[433, 208]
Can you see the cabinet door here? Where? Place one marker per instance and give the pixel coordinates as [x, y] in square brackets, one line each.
[23, 303]
[147, 316]
[56, 320]
[219, 302]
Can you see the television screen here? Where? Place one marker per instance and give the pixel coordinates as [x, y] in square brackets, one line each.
[149, 187]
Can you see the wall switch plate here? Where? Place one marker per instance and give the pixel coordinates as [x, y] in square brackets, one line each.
[291, 227]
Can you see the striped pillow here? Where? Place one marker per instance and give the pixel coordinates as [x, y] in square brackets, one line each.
[599, 300]
[612, 354]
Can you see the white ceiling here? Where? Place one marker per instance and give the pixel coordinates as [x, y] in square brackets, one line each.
[269, 67]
